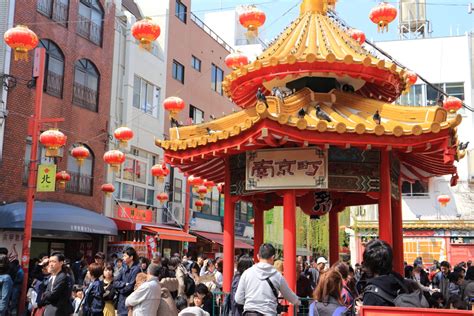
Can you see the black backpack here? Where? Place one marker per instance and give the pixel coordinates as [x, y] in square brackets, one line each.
[189, 285]
[403, 299]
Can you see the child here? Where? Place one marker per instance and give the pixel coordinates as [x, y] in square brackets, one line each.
[77, 295]
[195, 308]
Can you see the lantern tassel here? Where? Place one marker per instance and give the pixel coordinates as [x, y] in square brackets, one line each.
[52, 152]
[145, 44]
[252, 33]
[61, 185]
[20, 54]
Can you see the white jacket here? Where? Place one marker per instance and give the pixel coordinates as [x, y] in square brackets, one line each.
[193, 311]
[146, 299]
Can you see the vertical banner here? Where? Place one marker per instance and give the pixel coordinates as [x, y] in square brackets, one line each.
[151, 246]
[46, 180]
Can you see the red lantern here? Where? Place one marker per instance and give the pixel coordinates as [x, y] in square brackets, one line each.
[383, 15]
[195, 182]
[62, 177]
[107, 188]
[220, 187]
[21, 39]
[452, 104]
[444, 200]
[202, 191]
[146, 31]
[412, 77]
[252, 18]
[174, 105]
[162, 197]
[52, 139]
[114, 158]
[235, 60]
[160, 171]
[199, 204]
[358, 35]
[81, 153]
[123, 134]
[209, 185]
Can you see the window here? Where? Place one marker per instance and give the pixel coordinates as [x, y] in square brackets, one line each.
[181, 11]
[217, 75]
[196, 115]
[86, 85]
[196, 63]
[90, 19]
[54, 68]
[146, 96]
[423, 94]
[178, 190]
[56, 10]
[243, 211]
[178, 71]
[414, 97]
[81, 175]
[417, 188]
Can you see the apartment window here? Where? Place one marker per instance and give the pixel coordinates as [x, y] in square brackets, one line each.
[196, 115]
[418, 188]
[54, 68]
[414, 97]
[90, 17]
[178, 71]
[217, 75]
[146, 96]
[196, 63]
[81, 175]
[86, 85]
[56, 10]
[423, 94]
[178, 190]
[243, 211]
[181, 11]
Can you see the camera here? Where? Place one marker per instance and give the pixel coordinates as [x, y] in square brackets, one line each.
[282, 308]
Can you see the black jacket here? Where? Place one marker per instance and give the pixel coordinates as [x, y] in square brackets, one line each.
[94, 299]
[57, 298]
[124, 284]
[392, 284]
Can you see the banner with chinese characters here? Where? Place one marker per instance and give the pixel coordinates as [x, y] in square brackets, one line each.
[46, 180]
[295, 168]
[13, 241]
[118, 248]
[135, 214]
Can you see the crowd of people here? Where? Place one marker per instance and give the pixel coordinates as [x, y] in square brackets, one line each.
[132, 285]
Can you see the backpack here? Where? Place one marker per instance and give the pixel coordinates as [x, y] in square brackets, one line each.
[313, 311]
[414, 299]
[189, 285]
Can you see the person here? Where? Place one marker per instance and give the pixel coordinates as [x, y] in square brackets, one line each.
[455, 280]
[420, 276]
[146, 299]
[317, 268]
[468, 293]
[18, 275]
[125, 282]
[109, 290]
[180, 273]
[204, 296]
[328, 295]
[303, 286]
[437, 300]
[99, 258]
[77, 269]
[38, 287]
[243, 264]
[77, 297]
[93, 304]
[278, 264]
[441, 280]
[118, 267]
[200, 261]
[143, 264]
[209, 268]
[259, 285]
[194, 310]
[348, 295]
[6, 284]
[195, 269]
[56, 298]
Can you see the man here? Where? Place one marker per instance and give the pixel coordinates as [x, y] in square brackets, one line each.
[259, 286]
[125, 282]
[99, 258]
[317, 267]
[146, 299]
[441, 280]
[118, 267]
[56, 298]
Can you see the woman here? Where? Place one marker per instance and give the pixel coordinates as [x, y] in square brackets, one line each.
[195, 269]
[109, 291]
[209, 269]
[243, 264]
[143, 264]
[328, 295]
[6, 285]
[94, 295]
[347, 294]
[180, 273]
[468, 294]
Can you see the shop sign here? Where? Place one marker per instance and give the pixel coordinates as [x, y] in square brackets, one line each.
[136, 214]
[151, 246]
[46, 179]
[296, 168]
[13, 241]
[118, 248]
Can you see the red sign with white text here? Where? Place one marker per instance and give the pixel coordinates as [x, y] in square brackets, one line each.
[135, 214]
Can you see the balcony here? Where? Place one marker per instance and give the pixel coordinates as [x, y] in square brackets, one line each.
[54, 84]
[85, 97]
[79, 184]
[54, 10]
[211, 33]
[90, 30]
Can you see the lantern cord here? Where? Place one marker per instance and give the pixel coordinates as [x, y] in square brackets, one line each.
[343, 23]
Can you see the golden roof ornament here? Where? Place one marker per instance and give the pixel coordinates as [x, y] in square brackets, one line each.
[319, 6]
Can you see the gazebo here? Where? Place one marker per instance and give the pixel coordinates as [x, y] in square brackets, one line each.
[330, 136]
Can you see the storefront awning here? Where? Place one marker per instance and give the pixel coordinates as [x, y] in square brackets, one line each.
[219, 238]
[58, 217]
[169, 233]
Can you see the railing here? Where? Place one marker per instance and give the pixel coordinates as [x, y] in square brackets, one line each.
[80, 183]
[208, 30]
[54, 10]
[54, 84]
[85, 97]
[88, 29]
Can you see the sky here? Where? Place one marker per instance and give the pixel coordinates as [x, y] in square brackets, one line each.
[448, 17]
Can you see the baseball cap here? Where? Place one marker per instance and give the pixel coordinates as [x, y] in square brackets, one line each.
[321, 260]
[99, 255]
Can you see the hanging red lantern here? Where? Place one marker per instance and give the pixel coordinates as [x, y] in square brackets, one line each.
[195, 182]
[174, 105]
[80, 153]
[52, 139]
[357, 35]
[412, 77]
[162, 197]
[123, 135]
[160, 171]
[114, 158]
[444, 200]
[62, 177]
[235, 60]
[21, 39]
[107, 188]
[202, 191]
[146, 31]
[209, 185]
[199, 204]
[220, 187]
[383, 15]
[252, 18]
[452, 104]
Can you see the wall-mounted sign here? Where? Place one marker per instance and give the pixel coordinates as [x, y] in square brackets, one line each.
[135, 214]
[46, 180]
[295, 168]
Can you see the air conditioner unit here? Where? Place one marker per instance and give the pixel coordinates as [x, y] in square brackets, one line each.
[174, 214]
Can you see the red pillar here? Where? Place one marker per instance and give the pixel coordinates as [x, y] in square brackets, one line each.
[258, 230]
[229, 223]
[187, 208]
[289, 240]
[397, 236]
[333, 236]
[385, 207]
